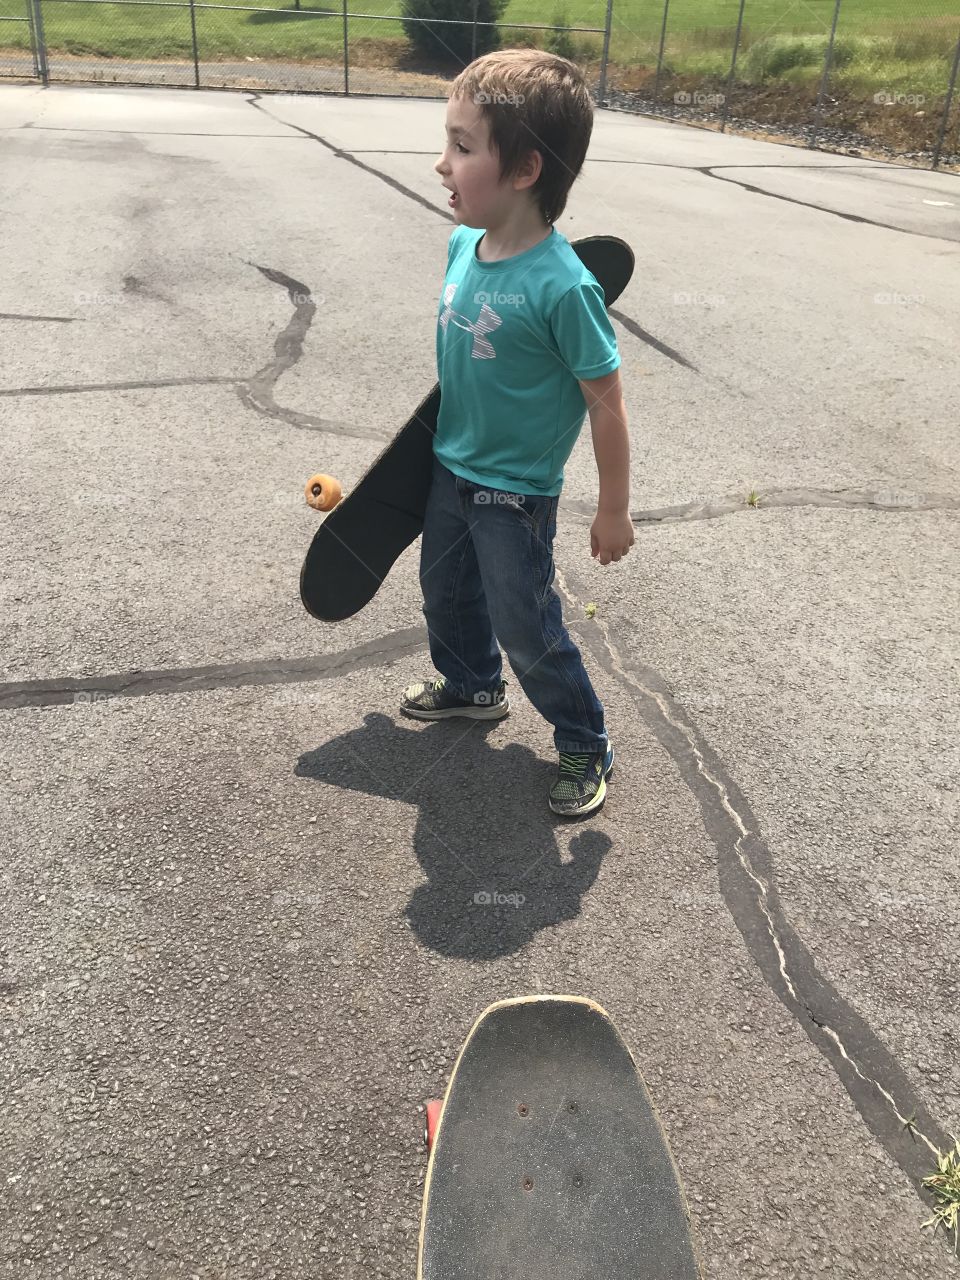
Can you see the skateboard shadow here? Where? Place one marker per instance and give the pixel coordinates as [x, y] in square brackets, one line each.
[499, 865]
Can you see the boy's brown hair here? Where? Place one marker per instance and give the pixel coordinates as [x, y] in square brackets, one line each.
[533, 101]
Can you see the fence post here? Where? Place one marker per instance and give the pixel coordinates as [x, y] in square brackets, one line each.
[946, 107]
[663, 37]
[346, 54]
[33, 40]
[827, 61]
[732, 68]
[196, 54]
[473, 36]
[602, 87]
[41, 41]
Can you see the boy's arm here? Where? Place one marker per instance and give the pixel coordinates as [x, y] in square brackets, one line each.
[611, 535]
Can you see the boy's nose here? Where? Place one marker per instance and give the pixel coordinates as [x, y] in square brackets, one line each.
[441, 166]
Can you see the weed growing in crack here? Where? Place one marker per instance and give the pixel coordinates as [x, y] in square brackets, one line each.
[945, 1185]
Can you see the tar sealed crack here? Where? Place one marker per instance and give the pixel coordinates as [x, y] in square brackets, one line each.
[874, 1080]
[257, 392]
[885, 499]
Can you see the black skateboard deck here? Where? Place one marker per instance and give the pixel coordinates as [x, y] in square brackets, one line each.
[355, 547]
[548, 1161]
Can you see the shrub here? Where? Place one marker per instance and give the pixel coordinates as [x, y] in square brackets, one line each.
[452, 41]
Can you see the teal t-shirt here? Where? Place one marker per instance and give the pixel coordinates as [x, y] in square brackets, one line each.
[513, 339]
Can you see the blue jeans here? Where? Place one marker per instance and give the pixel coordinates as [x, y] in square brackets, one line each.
[486, 570]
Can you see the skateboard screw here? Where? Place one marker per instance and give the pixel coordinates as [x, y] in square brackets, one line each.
[528, 1184]
[574, 1106]
[523, 1109]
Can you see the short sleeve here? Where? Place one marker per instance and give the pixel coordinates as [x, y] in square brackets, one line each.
[583, 333]
[453, 244]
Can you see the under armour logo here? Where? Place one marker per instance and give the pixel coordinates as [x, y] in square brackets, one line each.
[485, 323]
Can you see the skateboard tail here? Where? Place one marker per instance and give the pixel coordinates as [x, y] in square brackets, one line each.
[549, 1158]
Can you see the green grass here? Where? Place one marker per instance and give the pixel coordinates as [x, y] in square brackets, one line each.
[877, 46]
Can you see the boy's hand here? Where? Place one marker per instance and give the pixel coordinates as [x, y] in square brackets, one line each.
[611, 535]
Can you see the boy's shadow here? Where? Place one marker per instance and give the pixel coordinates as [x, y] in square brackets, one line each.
[498, 869]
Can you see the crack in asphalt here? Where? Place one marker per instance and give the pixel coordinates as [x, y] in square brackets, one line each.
[254, 101]
[257, 392]
[70, 388]
[632, 327]
[709, 172]
[139, 684]
[8, 315]
[879, 1089]
[889, 499]
[653, 164]
[159, 133]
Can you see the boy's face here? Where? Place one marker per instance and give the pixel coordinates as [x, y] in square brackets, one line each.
[470, 167]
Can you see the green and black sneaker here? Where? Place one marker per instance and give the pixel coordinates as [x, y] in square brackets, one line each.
[581, 784]
[434, 700]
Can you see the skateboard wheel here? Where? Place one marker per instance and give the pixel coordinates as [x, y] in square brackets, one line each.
[322, 492]
[434, 1107]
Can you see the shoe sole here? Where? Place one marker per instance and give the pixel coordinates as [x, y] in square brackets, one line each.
[468, 713]
[595, 803]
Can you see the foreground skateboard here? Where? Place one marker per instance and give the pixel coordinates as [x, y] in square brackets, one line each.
[547, 1159]
[355, 547]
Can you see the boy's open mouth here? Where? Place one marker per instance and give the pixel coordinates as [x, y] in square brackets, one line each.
[454, 198]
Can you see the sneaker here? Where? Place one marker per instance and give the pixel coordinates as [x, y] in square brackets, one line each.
[434, 700]
[581, 784]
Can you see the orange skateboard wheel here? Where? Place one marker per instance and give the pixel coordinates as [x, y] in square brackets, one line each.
[323, 492]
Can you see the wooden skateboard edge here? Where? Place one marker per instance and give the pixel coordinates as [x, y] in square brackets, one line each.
[596, 1008]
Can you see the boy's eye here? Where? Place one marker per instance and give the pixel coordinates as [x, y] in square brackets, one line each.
[461, 147]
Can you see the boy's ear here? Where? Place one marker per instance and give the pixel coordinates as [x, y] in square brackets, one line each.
[528, 171]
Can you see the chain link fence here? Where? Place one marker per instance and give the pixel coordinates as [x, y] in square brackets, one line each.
[283, 45]
[18, 43]
[877, 75]
[872, 75]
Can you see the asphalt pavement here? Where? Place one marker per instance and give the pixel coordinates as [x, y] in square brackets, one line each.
[249, 912]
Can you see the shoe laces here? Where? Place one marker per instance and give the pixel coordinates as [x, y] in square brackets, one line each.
[573, 763]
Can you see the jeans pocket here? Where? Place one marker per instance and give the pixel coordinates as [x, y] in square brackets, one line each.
[539, 512]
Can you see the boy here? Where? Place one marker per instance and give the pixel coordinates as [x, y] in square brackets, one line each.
[524, 348]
